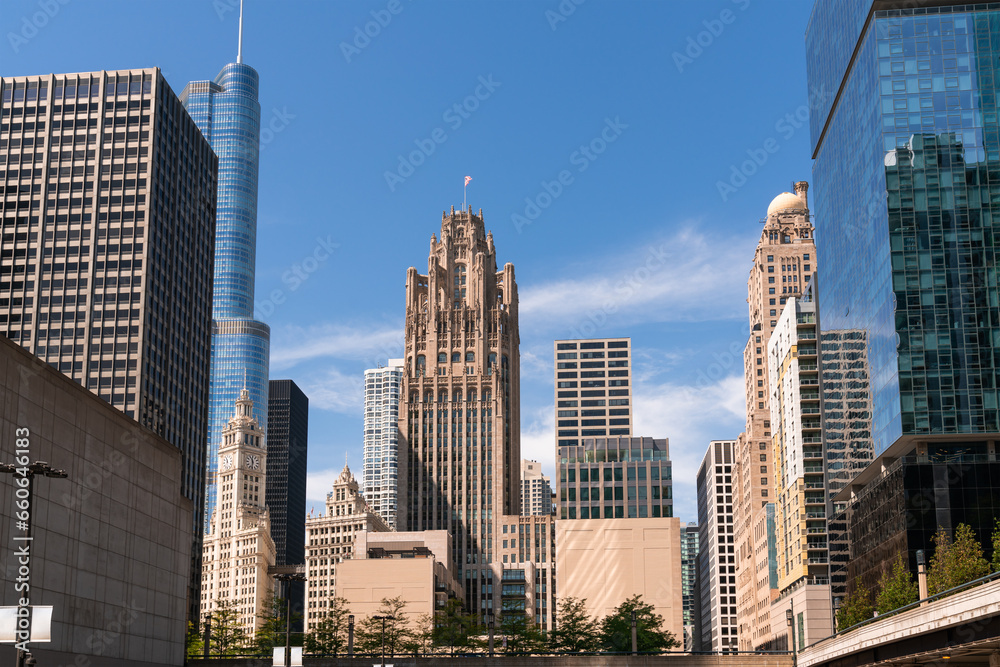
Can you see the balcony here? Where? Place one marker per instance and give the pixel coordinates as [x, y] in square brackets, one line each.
[815, 500]
[807, 351]
[812, 439]
[810, 424]
[807, 335]
[808, 367]
[816, 545]
[812, 468]
[815, 531]
[806, 318]
[809, 395]
[812, 452]
[822, 560]
[815, 515]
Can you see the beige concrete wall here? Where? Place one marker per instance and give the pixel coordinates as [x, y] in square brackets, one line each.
[815, 606]
[112, 542]
[609, 560]
[364, 583]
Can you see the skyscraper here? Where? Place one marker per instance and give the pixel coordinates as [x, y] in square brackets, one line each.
[593, 391]
[238, 547]
[783, 261]
[689, 590]
[905, 146]
[716, 555]
[380, 475]
[536, 490]
[459, 421]
[108, 231]
[227, 112]
[287, 450]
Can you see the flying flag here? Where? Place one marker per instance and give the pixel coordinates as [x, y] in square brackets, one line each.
[467, 179]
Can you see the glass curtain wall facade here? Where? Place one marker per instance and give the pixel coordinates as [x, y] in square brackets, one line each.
[227, 112]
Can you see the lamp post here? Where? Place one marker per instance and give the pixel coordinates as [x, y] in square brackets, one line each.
[635, 637]
[288, 579]
[384, 619]
[27, 474]
[350, 635]
[790, 618]
[922, 577]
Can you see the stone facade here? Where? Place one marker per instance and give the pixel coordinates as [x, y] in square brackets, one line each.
[112, 542]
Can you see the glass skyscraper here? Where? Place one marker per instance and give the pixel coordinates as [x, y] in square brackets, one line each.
[906, 175]
[227, 112]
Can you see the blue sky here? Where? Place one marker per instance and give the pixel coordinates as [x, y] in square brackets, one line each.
[375, 111]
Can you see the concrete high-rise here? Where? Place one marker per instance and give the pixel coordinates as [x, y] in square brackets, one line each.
[716, 556]
[287, 453]
[380, 472]
[108, 233]
[593, 389]
[459, 421]
[536, 490]
[689, 587]
[227, 112]
[783, 261]
[800, 495]
[905, 142]
[238, 548]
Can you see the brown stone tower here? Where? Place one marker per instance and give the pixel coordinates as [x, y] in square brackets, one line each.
[459, 418]
[784, 260]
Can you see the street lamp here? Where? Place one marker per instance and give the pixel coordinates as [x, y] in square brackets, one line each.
[489, 624]
[635, 637]
[384, 619]
[27, 472]
[288, 578]
[350, 635]
[790, 618]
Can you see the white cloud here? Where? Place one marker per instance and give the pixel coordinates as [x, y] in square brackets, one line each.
[318, 484]
[687, 277]
[335, 391]
[373, 344]
[538, 437]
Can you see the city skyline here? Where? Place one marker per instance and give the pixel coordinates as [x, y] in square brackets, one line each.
[670, 276]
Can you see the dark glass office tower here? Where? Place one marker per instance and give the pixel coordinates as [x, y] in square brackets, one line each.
[108, 223]
[287, 440]
[906, 145]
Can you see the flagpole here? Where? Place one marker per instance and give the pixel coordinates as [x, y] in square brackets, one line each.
[465, 189]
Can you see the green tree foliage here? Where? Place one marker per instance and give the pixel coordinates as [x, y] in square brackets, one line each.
[955, 562]
[521, 633]
[896, 588]
[857, 607]
[393, 630]
[329, 635]
[194, 645]
[576, 630]
[227, 635]
[996, 547]
[616, 629]
[271, 633]
[455, 629]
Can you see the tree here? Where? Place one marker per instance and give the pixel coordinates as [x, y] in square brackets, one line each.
[396, 635]
[227, 635]
[576, 631]
[996, 546]
[194, 645]
[271, 633]
[896, 588]
[616, 629]
[955, 563]
[521, 633]
[856, 608]
[454, 628]
[329, 634]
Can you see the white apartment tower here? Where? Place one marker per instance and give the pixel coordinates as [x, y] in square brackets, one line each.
[380, 475]
[238, 549]
[716, 555]
[536, 490]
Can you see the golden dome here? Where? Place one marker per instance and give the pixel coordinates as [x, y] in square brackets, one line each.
[785, 201]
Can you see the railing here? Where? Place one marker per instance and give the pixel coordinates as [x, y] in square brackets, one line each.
[812, 439]
[808, 367]
[815, 515]
[816, 545]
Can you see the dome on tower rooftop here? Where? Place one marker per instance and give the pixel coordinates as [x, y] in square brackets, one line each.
[785, 201]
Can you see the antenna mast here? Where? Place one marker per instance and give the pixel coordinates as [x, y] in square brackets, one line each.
[239, 51]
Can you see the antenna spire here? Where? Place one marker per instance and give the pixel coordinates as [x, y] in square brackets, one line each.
[239, 51]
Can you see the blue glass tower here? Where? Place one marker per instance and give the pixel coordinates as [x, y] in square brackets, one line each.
[227, 112]
[906, 175]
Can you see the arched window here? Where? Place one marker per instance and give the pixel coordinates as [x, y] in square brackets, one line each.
[421, 365]
[472, 395]
[428, 397]
[443, 397]
[459, 279]
[442, 358]
[458, 396]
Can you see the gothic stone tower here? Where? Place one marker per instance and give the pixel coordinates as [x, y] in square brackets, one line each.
[459, 421]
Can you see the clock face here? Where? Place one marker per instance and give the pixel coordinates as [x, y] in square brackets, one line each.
[227, 462]
[253, 462]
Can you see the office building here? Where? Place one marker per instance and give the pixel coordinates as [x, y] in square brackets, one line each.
[227, 112]
[287, 449]
[800, 495]
[615, 478]
[607, 561]
[689, 584]
[593, 391]
[238, 550]
[536, 490]
[108, 229]
[109, 539]
[459, 422]
[380, 472]
[528, 560]
[904, 146]
[330, 540]
[783, 261]
[716, 556]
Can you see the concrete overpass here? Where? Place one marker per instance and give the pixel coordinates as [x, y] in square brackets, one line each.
[962, 629]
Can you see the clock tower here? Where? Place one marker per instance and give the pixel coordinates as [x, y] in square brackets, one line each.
[238, 548]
